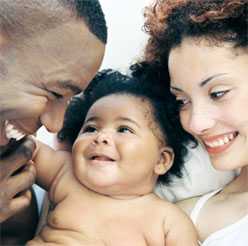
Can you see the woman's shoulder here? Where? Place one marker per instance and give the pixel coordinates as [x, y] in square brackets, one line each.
[187, 205]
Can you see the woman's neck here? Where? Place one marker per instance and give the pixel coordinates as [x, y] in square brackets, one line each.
[240, 183]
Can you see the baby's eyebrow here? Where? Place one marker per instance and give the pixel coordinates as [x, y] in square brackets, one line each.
[93, 118]
[129, 120]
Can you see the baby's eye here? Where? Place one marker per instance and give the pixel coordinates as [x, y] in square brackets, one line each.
[89, 129]
[215, 95]
[125, 129]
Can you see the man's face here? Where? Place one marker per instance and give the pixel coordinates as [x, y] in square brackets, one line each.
[39, 76]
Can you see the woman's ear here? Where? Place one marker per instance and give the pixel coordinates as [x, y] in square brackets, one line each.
[165, 162]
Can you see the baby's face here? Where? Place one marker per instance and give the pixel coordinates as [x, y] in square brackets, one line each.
[117, 152]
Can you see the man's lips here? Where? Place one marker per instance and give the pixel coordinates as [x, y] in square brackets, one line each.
[14, 132]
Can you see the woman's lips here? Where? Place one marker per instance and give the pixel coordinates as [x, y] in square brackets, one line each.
[218, 144]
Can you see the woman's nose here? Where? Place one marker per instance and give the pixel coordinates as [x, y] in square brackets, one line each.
[201, 121]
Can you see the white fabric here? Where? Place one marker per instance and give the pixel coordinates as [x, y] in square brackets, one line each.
[200, 203]
[234, 234]
[199, 177]
[39, 195]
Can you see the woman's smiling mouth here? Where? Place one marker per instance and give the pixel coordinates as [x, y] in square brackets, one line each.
[220, 143]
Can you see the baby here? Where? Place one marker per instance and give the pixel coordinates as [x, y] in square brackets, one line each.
[102, 191]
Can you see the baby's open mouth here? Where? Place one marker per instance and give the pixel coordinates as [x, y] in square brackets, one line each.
[101, 158]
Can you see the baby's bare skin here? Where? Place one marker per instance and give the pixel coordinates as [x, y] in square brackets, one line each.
[83, 217]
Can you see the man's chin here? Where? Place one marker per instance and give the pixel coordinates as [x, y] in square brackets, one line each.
[10, 147]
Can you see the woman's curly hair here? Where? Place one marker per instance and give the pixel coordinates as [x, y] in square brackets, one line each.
[168, 22]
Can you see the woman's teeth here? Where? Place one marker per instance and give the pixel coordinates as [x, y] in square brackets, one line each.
[221, 141]
[12, 132]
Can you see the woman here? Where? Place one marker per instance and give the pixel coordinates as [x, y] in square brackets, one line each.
[205, 46]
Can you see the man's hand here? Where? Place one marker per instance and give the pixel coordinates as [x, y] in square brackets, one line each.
[14, 193]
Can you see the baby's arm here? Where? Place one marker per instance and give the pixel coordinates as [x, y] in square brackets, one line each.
[179, 229]
[48, 162]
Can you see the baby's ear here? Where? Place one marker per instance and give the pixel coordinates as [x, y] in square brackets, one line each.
[165, 162]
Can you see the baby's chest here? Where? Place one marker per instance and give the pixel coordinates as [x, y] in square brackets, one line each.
[100, 227]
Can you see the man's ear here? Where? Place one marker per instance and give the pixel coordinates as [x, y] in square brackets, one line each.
[165, 162]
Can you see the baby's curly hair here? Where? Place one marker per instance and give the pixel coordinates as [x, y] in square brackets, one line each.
[168, 22]
[142, 83]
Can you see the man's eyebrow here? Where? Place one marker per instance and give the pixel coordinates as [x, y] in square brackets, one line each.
[69, 85]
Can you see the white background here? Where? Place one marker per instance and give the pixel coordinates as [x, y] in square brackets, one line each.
[126, 40]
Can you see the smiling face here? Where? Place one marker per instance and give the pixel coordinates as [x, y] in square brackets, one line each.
[117, 152]
[212, 88]
[40, 74]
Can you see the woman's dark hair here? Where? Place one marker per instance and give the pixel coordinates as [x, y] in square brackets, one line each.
[168, 22]
[141, 83]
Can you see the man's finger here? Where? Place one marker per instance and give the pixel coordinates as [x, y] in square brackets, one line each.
[16, 205]
[15, 160]
[22, 181]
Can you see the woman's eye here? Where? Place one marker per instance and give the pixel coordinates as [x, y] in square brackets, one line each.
[218, 94]
[182, 103]
[125, 129]
[89, 129]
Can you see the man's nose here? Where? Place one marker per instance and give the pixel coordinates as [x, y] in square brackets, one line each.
[53, 117]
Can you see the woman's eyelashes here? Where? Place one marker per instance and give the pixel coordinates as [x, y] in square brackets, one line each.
[182, 102]
[216, 95]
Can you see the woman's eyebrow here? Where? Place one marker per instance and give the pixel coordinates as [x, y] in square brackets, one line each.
[172, 88]
[202, 83]
[205, 81]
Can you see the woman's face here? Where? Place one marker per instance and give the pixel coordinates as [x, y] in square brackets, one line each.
[211, 84]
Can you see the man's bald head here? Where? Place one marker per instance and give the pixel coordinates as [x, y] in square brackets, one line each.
[20, 20]
[49, 50]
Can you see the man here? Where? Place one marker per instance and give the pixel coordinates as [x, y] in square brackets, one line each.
[49, 51]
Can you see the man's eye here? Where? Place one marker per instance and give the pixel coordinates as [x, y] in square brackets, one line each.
[125, 129]
[57, 95]
[89, 129]
[218, 94]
